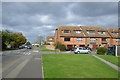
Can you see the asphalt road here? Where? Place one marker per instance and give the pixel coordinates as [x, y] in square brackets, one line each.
[22, 63]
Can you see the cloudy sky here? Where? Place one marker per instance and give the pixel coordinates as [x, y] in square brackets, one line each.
[42, 18]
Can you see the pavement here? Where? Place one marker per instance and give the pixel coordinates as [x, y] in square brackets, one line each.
[110, 64]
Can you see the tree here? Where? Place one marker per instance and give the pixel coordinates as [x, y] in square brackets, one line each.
[40, 39]
[28, 43]
[60, 46]
[13, 39]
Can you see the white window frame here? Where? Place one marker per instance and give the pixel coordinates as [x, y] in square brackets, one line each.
[50, 39]
[79, 39]
[93, 32]
[78, 32]
[92, 39]
[117, 40]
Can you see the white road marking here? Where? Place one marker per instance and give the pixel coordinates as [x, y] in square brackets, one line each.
[16, 71]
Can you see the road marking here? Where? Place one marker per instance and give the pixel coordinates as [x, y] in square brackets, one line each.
[35, 50]
[42, 68]
[16, 71]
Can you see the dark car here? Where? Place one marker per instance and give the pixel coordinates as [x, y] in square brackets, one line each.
[73, 48]
[29, 47]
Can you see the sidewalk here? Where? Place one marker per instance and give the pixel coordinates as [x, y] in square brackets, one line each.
[110, 64]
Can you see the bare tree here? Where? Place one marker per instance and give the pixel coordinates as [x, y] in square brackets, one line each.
[40, 39]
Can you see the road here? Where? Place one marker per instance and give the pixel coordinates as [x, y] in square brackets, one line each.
[22, 63]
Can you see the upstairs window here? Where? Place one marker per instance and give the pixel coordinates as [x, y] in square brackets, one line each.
[50, 38]
[92, 39]
[117, 40]
[91, 32]
[78, 32]
[66, 31]
[79, 40]
[116, 33]
[104, 39]
[101, 32]
[66, 39]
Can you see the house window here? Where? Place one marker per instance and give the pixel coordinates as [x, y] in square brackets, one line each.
[91, 32]
[66, 31]
[79, 40]
[92, 39]
[101, 32]
[78, 32]
[117, 40]
[116, 33]
[103, 39]
[50, 39]
[66, 39]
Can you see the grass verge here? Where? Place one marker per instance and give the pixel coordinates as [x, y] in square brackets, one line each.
[110, 58]
[47, 50]
[76, 66]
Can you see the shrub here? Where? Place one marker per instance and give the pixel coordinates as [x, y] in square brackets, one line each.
[46, 43]
[60, 46]
[101, 50]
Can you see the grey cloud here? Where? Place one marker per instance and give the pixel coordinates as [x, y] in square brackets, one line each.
[42, 18]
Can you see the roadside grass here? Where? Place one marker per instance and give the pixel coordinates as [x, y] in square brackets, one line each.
[76, 66]
[47, 50]
[110, 58]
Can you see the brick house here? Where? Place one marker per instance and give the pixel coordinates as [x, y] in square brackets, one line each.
[115, 36]
[50, 39]
[96, 36]
[70, 36]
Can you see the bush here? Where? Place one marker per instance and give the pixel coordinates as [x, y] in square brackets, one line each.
[60, 46]
[46, 43]
[101, 50]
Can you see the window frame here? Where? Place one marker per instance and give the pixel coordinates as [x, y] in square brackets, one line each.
[81, 40]
[65, 40]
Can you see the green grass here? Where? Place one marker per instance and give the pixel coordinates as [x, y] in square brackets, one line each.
[47, 50]
[110, 58]
[76, 66]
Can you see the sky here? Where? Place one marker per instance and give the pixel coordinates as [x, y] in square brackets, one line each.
[35, 19]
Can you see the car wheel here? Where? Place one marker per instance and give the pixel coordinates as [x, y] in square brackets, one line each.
[78, 52]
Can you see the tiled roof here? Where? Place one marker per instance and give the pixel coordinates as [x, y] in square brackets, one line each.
[112, 30]
[72, 30]
[96, 30]
[52, 37]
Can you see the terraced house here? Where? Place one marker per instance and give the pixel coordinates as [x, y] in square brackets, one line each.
[115, 36]
[50, 39]
[70, 36]
[96, 36]
[82, 36]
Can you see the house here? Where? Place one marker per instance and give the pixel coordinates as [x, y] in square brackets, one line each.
[115, 35]
[96, 36]
[50, 39]
[70, 36]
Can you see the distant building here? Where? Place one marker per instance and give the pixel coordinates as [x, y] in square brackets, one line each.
[50, 39]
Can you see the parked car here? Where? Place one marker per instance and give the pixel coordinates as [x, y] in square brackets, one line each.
[81, 50]
[88, 48]
[29, 47]
[21, 47]
[73, 48]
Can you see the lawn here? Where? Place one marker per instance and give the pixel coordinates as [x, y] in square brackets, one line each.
[76, 66]
[47, 50]
[110, 58]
